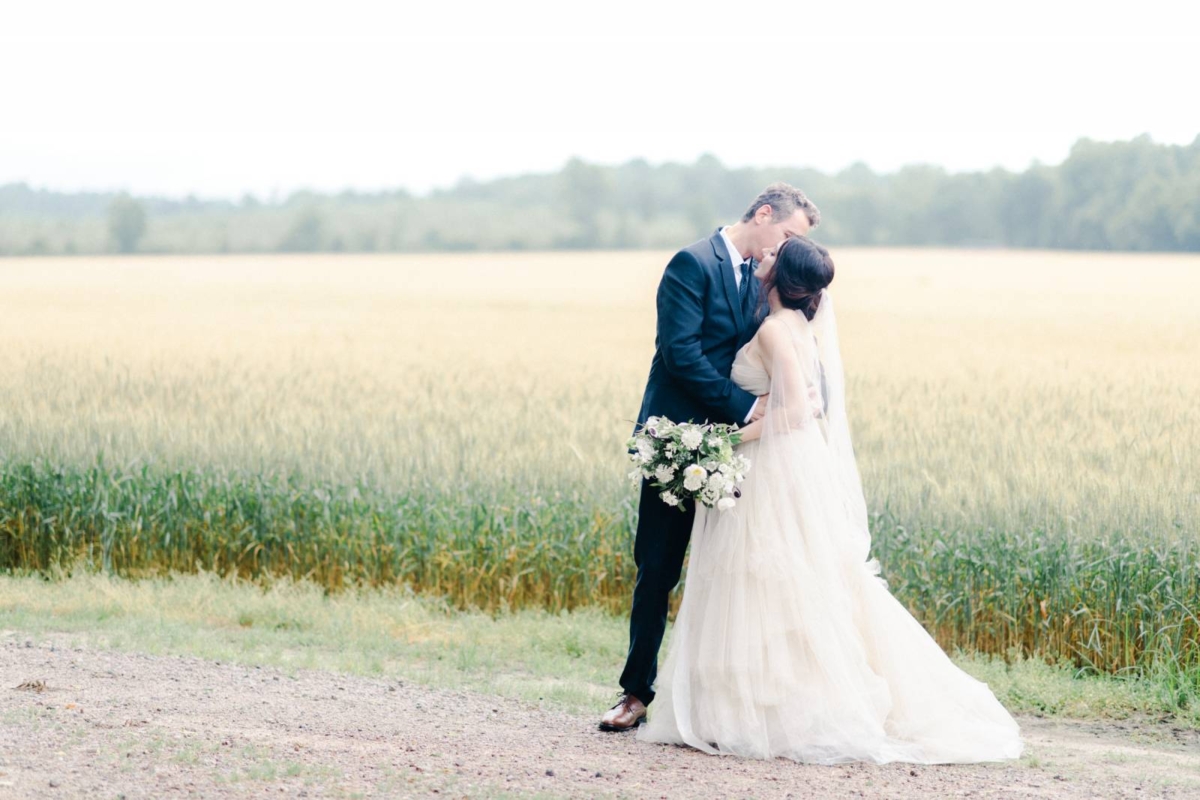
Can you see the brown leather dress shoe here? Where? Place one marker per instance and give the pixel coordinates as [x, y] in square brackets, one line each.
[627, 714]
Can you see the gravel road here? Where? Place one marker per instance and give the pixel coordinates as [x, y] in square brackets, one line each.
[104, 724]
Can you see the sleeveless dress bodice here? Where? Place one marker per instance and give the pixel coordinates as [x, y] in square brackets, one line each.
[749, 373]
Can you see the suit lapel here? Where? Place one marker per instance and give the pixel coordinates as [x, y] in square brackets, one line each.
[727, 279]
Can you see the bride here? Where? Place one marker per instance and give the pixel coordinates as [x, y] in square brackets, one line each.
[787, 642]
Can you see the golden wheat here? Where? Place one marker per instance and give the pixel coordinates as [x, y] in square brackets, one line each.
[1025, 422]
[1002, 389]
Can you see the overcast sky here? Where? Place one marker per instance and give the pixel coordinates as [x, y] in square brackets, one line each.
[266, 97]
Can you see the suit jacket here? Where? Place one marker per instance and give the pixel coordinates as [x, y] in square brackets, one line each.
[701, 326]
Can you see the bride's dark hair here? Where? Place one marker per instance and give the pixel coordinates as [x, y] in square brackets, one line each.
[801, 270]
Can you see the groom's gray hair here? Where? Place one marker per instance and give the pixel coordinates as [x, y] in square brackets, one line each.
[784, 199]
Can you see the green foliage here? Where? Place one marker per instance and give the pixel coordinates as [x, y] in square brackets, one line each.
[1133, 195]
[584, 192]
[304, 235]
[479, 549]
[1114, 604]
[126, 222]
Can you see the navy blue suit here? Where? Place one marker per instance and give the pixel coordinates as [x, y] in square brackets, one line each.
[702, 323]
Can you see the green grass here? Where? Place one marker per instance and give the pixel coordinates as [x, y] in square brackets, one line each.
[565, 660]
[1106, 603]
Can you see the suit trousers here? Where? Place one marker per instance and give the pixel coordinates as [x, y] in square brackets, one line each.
[659, 546]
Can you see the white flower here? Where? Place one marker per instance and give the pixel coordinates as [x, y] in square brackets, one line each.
[669, 499]
[691, 438]
[725, 503]
[635, 477]
[693, 477]
[716, 483]
[645, 450]
[664, 474]
[714, 442]
[725, 470]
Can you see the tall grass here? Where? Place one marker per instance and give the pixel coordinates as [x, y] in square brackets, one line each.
[1025, 424]
[478, 550]
[1104, 602]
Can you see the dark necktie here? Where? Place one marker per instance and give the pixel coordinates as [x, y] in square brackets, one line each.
[744, 287]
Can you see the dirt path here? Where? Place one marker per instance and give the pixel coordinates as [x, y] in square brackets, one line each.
[110, 724]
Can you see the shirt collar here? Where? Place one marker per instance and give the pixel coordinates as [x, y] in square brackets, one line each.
[734, 255]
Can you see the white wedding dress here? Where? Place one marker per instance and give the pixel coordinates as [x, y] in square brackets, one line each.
[787, 642]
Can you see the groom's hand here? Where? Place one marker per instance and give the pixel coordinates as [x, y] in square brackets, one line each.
[760, 408]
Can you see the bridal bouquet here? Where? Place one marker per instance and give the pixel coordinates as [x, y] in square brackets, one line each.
[689, 460]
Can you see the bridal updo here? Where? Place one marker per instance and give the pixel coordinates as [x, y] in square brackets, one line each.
[802, 269]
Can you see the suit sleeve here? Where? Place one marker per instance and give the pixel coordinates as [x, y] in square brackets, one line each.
[680, 319]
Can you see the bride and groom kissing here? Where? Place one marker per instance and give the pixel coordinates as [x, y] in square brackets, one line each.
[787, 641]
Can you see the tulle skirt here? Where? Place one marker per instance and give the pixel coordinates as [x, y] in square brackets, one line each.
[787, 643]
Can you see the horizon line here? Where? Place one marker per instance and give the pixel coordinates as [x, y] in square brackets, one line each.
[278, 195]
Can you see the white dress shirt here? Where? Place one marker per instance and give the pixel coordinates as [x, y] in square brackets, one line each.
[736, 260]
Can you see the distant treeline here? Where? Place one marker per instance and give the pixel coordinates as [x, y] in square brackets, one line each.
[1135, 195]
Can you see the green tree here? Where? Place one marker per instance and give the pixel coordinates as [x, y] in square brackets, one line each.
[584, 191]
[304, 235]
[1026, 207]
[126, 222]
[1131, 195]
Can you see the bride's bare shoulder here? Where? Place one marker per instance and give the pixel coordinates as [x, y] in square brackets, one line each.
[778, 336]
[771, 333]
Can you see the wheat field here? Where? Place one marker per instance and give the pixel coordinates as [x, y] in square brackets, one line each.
[1026, 424]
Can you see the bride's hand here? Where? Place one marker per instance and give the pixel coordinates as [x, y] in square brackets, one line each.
[760, 408]
[752, 431]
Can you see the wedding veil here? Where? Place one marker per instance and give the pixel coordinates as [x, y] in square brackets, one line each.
[806, 415]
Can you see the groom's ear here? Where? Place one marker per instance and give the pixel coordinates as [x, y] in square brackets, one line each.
[765, 215]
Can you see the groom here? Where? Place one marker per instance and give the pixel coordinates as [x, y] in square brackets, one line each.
[707, 300]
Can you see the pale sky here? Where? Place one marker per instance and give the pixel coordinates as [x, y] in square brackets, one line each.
[220, 98]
